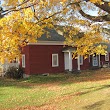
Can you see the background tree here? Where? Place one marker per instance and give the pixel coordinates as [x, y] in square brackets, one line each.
[25, 20]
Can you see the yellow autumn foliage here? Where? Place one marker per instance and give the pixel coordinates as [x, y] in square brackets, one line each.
[27, 19]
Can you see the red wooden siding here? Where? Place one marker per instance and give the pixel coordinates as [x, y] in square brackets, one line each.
[74, 64]
[86, 64]
[27, 59]
[102, 59]
[39, 59]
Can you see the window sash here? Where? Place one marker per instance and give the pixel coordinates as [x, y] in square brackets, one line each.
[23, 61]
[55, 61]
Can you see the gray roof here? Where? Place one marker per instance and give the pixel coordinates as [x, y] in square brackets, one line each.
[51, 36]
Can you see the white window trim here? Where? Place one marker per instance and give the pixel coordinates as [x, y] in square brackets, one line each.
[81, 60]
[107, 57]
[57, 60]
[23, 61]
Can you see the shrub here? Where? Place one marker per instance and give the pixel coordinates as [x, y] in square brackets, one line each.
[14, 72]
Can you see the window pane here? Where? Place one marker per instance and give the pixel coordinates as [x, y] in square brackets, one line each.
[23, 61]
[54, 60]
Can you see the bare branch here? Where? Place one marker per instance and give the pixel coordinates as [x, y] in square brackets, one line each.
[105, 6]
[95, 18]
[4, 11]
[13, 9]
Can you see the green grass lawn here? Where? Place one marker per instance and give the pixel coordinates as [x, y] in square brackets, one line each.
[89, 90]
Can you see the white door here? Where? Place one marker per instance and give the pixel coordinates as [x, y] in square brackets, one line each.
[66, 60]
[94, 61]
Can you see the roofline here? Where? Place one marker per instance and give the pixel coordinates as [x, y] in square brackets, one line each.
[47, 43]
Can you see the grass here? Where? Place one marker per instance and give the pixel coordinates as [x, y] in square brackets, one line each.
[89, 90]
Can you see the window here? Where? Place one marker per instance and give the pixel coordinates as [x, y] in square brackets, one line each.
[81, 60]
[95, 60]
[107, 57]
[23, 61]
[55, 61]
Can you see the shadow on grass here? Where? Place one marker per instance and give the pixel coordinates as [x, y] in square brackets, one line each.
[47, 79]
[12, 83]
[34, 80]
[63, 79]
[95, 106]
[99, 88]
[67, 78]
[92, 89]
[85, 92]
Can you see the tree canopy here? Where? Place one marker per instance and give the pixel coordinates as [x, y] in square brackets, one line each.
[83, 22]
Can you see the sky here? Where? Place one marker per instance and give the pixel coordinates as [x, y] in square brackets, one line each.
[91, 9]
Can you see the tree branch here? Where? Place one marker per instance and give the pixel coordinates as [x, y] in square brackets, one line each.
[104, 6]
[96, 18]
[5, 12]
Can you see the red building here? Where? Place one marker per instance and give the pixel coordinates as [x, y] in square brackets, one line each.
[49, 55]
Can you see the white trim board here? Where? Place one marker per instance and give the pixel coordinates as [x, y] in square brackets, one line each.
[48, 43]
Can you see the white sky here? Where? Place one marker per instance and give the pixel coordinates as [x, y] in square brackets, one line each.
[91, 9]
